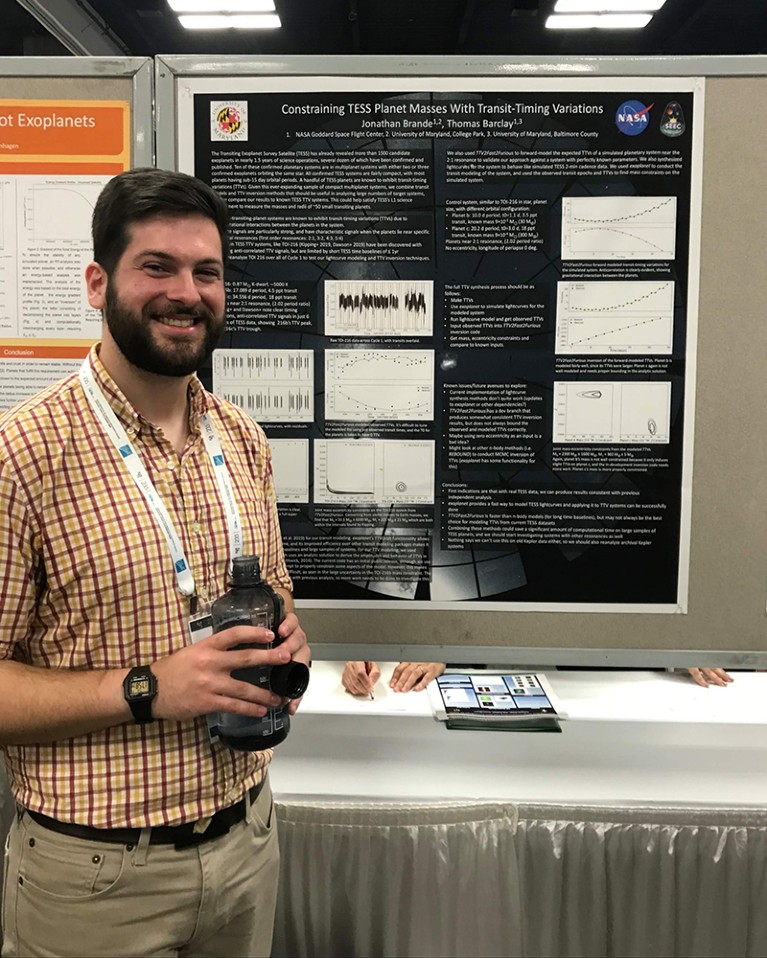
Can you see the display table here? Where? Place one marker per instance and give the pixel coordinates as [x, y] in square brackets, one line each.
[639, 830]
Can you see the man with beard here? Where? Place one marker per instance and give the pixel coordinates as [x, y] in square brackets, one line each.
[125, 492]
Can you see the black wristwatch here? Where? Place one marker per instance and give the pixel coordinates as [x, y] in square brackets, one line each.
[139, 689]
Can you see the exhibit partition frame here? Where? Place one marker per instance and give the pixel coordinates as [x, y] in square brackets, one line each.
[724, 623]
[67, 125]
[138, 71]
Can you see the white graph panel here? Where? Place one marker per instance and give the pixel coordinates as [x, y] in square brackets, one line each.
[379, 307]
[290, 469]
[8, 284]
[373, 470]
[271, 385]
[7, 216]
[612, 412]
[57, 212]
[619, 227]
[615, 317]
[368, 384]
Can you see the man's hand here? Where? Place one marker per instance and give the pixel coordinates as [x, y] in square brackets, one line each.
[415, 676]
[197, 679]
[359, 678]
[706, 677]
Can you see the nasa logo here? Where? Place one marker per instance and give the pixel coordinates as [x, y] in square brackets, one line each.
[632, 117]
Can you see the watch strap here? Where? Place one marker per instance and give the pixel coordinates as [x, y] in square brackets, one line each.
[140, 703]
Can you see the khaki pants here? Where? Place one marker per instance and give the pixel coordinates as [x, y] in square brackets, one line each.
[64, 896]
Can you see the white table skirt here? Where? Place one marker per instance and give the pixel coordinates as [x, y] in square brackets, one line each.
[639, 830]
[496, 880]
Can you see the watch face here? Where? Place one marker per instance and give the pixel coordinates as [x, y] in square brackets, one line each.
[139, 686]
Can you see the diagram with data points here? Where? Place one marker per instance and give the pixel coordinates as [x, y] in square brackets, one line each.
[370, 384]
[612, 412]
[610, 317]
[376, 470]
[271, 385]
[619, 227]
[379, 308]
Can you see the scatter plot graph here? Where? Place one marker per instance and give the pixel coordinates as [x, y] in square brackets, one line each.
[645, 412]
[612, 412]
[379, 307]
[369, 384]
[377, 471]
[619, 227]
[622, 317]
[271, 385]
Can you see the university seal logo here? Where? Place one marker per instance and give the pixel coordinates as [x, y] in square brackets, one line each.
[229, 120]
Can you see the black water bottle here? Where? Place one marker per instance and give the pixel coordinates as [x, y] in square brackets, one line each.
[250, 601]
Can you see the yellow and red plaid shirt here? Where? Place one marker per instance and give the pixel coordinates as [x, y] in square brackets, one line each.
[87, 582]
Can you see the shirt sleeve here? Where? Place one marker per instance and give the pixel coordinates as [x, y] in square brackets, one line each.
[275, 571]
[20, 565]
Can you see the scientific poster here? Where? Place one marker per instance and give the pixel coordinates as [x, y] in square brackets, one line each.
[464, 311]
[55, 157]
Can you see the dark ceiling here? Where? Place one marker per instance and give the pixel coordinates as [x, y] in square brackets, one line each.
[497, 27]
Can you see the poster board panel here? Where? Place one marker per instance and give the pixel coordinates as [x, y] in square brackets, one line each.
[727, 582]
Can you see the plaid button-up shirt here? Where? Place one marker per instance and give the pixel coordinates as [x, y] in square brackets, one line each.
[87, 582]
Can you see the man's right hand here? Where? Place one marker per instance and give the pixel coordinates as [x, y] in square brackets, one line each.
[39, 705]
[197, 679]
[359, 678]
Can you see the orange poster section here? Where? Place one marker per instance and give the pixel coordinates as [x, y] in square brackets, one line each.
[33, 349]
[64, 136]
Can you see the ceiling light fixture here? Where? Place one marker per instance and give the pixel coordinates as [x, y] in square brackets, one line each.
[221, 6]
[240, 22]
[607, 6]
[599, 21]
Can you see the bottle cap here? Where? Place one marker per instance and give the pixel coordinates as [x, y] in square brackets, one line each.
[246, 571]
[289, 680]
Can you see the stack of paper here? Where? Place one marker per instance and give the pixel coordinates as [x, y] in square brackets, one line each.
[495, 701]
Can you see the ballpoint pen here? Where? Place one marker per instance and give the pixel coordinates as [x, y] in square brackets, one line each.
[367, 672]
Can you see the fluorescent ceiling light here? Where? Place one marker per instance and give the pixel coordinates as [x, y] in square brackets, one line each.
[607, 6]
[263, 21]
[599, 21]
[222, 6]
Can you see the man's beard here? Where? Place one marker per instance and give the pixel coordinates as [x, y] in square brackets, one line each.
[132, 333]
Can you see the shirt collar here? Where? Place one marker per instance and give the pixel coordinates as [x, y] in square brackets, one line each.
[198, 404]
[131, 420]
